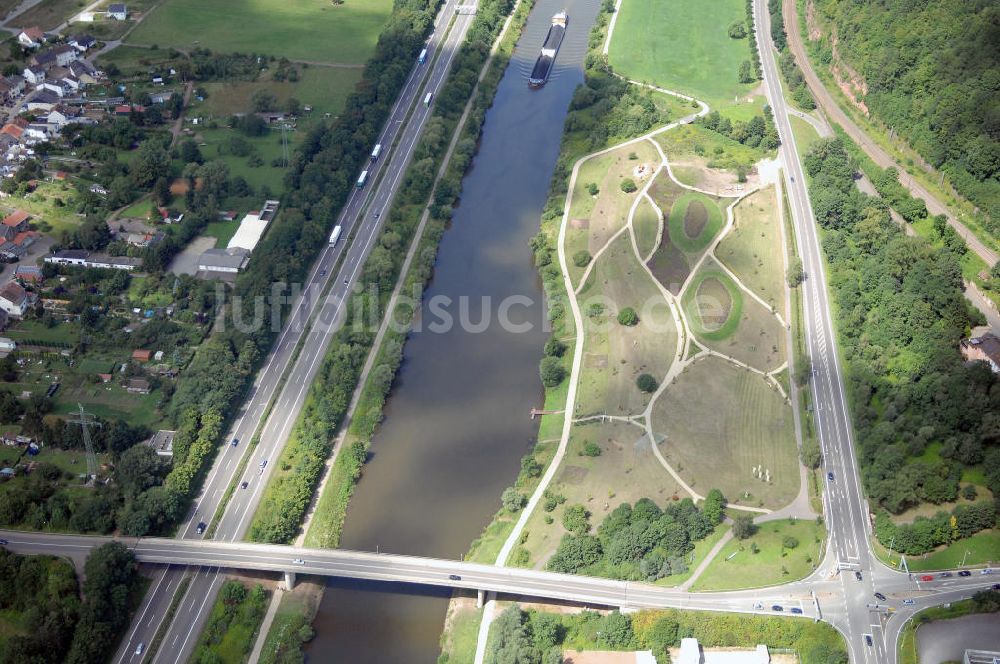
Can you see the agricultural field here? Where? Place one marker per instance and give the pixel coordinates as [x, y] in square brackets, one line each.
[47, 14]
[717, 421]
[779, 552]
[299, 30]
[645, 47]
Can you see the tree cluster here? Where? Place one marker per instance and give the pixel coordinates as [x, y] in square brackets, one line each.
[758, 131]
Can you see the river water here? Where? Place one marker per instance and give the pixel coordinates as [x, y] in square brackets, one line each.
[457, 421]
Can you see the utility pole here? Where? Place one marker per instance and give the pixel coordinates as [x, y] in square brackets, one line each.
[85, 420]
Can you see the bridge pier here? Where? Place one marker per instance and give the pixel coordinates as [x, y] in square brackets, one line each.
[289, 580]
[480, 597]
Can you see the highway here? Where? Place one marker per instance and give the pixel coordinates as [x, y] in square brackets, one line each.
[314, 318]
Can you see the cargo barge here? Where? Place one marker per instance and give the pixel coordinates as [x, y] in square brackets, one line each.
[543, 66]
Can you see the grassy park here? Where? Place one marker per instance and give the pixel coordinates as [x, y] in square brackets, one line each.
[647, 225]
[717, 421]
[766, 558]
[753, 248]
[298, 30]
[694, 221]
[681, 46]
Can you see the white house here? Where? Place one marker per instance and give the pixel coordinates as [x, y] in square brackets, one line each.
[31, 37]
[34, 75]
[82, 42]
[117, 12]
[15, 300]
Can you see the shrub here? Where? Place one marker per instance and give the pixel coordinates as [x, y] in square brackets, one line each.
[591, 449]
[593, 189]
[738, 30]
[551, 371]
[628, 317]
[512, 500]
[743, 526]
[581, 258]
[554, 347]
[789, 542]
[628, 185]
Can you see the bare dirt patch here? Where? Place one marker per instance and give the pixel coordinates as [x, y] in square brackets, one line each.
[669, 265]
[598, 657]
[694, 172]
[695, 219]
[580, 224]
[714, 303]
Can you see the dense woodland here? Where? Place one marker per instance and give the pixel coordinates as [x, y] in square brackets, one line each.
[933, 74]
[60, 627]
[922, 415]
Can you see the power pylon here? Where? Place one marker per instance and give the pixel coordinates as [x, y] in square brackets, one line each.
[85, 420]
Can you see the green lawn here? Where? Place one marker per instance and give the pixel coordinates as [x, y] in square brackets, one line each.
[681, 208]
[682, 46]
[804, 135]
[772, 564]
[324, 88]
[138, 210]
[52, 207]
[696, 306]
[983, 548]
[213, 146]
[34, 332]
[754, 250]
[222, 231]
[461, 634]
[295, 29]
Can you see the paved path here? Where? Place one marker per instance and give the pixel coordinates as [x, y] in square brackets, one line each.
[882, 158]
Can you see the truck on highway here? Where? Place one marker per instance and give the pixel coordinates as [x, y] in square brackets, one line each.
[335, 235]
[376, 151]
[362, 179]
[427, 99]
[422, 58]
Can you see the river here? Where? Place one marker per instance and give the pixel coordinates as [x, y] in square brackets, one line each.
[457, 421]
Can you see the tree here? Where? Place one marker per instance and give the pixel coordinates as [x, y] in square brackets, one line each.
[512, 499]
[591, 449]
[663, 635]
[593, 189]
[138, 469]
[554, 347]
[628, 185]
[796, 273]
[646, 383]
[746, 72]
[552, 371]
[150, 162]
[576, 519]
[574, 553]
[263, 101]
[628, 317]
[530, 466]
[743, 526]
[189, 152]
[293, 106]
[714, 506]
[789, 542]
[10, 407]
[581, 258]
[738, 30]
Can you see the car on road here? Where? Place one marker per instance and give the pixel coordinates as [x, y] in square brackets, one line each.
[4, 542]
[322, 272]
[995, 586]
[857, 575]
[986, 571]
[758, 605]
[244, 484]
[236, 441]
[298, 561]
[454, 577]
[880, 597]
[829, 476]
[263, 462]
[945, 575]
[868, 640]
[139, 648]
[927, 577]
[201, 527]
[796, 610]
[908, 602]
[777, 607]
[965, 572]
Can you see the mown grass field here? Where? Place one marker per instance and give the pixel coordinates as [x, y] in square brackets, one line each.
[324, 88]
[295, 29]
[625, 471]
[983, 548]
[646, 226]
[772, 564]
[614, 354]
[682, 46]
[711, 317]
[753, 248]
[721, 151]
[718, 422]
[679, 222]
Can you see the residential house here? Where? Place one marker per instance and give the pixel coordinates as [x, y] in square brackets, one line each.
[11, 250]
[15, 222]
[14, 130]
[118, 12]
[84, 72]
[29, 273]
[15, 300]
[38, 131]
[34, 74]
[7, 345]
[142, 355]
[170, 215]
[53, 86]
[82, 43]
[144, 239]
[31, 37]
[138, 386]
[60, 56]
[126, 109]
[984, 348]
[157, 80]
[43, 100]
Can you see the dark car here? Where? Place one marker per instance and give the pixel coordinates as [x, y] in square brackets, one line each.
[995, 586]
[454, 577]
[244, 484]
[857, 575]
[829, 476]
[944, 575]
[868, 639]
[965, 572]
[322, 273]
[236, 441]
[4, 542]
[201, 527]
[777, 607]
[880, 597]
[796, 610]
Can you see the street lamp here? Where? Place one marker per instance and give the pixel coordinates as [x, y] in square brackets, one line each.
[964, 558]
